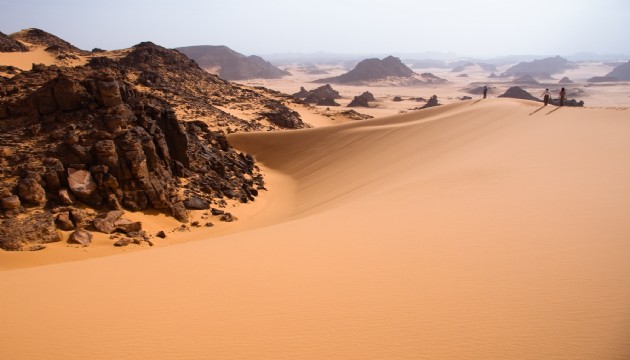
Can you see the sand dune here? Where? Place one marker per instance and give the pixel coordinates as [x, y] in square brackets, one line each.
[494, 229]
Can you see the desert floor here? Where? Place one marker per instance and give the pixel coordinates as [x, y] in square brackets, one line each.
[481, 229]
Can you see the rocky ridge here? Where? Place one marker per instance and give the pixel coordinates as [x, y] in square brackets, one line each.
[80, 142]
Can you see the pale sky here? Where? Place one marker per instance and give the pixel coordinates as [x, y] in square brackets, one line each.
[483, 28]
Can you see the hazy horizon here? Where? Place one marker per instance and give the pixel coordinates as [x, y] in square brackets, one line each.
[484, 28]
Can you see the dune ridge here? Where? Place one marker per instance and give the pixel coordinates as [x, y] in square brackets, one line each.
[492, 229]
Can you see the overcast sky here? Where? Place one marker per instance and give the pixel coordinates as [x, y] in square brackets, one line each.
[477, 27]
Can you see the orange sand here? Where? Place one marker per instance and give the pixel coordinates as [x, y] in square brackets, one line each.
[491, 229]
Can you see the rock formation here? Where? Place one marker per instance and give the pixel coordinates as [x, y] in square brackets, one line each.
[93, 137]
[516, 92]
[324, 95]
[8, 44]
[362, 100]
[41, 38]
[389, 69]
[231, 64]
[619, 73]
[565, 80]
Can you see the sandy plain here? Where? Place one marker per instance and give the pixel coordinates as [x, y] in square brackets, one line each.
[481, 229]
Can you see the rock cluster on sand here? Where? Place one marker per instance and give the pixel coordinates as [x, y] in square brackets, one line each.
[82, 138]
[324, 95]
[362, 100]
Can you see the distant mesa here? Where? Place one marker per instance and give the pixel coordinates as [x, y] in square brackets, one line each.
[389, 70]
[565, 80]
[230, 64]
[619, 73]
[8, 44]
[516, 92]
[541, 68]
[362, 100]
[324, 96]
[42, 38]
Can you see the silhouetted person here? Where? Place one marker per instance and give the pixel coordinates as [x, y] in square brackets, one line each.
[485, 91]
[563, 94]
[546, 96]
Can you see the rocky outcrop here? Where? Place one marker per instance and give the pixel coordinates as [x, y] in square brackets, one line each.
[282, 116]
[362, 100]
[324, 96]
[42, 38]
[8, 44]
[526, 79]
[231, 64]
[516, 92]
[85, 137]
[28, 233]
[433, 101]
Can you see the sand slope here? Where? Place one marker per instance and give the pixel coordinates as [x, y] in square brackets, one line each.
[494, 229]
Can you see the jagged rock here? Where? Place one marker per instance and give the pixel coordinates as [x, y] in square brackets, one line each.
[106, 222]
[31, 191]
[128, 226]
[433, 101]
[80, 217]
[19, 233]
[80, 237]
[362, 100]
[81, 183]
[302, 94]
[65, 197]
[282, 116]
[63, 221]
[109, 91]
[11, 202]
[179, 212]
[69, 94]
[196, 203]
[161, 234]
[516, 92]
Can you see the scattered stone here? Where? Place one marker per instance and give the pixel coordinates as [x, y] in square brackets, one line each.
[216, 212]
[63, 221]
[209, 224]
[122, 242]
[161, 234]
[81, 237]
[105, 222]
[35, 247]
[227, 217]
[196, 203]
[128, 226]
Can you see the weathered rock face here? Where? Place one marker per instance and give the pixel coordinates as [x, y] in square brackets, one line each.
[7, 44]
[282, 116]
[433, 101]
[83, 136]
[24, 233]
[362, 100]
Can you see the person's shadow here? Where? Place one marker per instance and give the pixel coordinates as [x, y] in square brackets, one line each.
[556, 109]
[537, 110]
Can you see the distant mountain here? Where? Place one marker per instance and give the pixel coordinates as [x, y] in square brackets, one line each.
[389, 69]
[621, 72]
[8, 44]
[541, 67]
[230, 64]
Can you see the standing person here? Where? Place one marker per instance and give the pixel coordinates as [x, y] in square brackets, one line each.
[546, 96]
[485, 91]
[563, 94]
